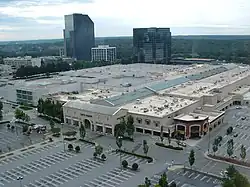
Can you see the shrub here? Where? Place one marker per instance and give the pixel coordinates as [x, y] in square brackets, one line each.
[70, 138]
[103, 157]
[70, 147]
[8, 126]
[56, 134]
[128, 138]
[150, 159]
[125, 163]
[12, 127]
[87, 141]
[94, 154]
[77, 148]
[168, 146]
[135, 166]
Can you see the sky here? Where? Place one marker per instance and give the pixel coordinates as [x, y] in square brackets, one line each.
[44, 19]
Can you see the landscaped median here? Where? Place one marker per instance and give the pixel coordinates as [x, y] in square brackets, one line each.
[150, 159]
[230, 160]
[87, 141]
[168, 146]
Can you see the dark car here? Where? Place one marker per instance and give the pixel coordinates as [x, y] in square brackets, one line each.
[235, 135]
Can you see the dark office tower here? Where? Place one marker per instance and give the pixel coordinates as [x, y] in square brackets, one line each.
[79, 36]
[152, 45]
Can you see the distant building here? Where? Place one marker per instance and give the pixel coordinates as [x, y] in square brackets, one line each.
[103, 53]
[61, 52]
[79, 36]
[152, 45]
[17, 62]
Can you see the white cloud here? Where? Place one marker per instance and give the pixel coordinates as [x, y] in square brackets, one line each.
[120, 16]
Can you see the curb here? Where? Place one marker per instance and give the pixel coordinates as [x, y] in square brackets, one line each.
[24, 149]
[222, 161]
[205, 173]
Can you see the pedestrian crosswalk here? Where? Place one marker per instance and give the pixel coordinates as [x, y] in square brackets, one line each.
[182, 177]
[129, 158]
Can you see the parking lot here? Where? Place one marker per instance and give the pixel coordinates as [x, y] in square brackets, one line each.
[188, 178]
[14, 139]
[51, 166]
[239, 119]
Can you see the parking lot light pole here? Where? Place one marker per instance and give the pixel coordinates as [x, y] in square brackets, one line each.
[208, 149]
[20, 178]
[62, 137]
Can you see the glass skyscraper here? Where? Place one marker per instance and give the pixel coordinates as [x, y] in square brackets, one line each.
[152, 45]
[79, 36]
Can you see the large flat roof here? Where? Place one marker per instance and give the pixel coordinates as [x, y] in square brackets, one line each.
[86, 96]
[206, 86]
[158, 106]
[85, 106]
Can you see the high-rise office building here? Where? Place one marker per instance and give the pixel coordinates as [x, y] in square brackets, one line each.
[104, 53]
[79, 36]
[152, 45]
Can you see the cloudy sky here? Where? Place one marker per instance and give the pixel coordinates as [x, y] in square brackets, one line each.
[41, 19]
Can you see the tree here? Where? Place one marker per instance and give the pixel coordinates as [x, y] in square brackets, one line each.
[130, 126]
[77, 148]
[163, 182]
[120, 128]
[70, 147]
[215, 148]
[191, 158]
[26, 118]
[1, 108]
[243, 152]
[52, 124]
[147, 182]
[98, 149]
[161, 134]
[230, 148]
[82, 131]
[40, 106]
[125, 163]
[169, 137]
[119, 145]
[135, 166]
[1, 105]
[18, 114]
[235, 179]
[145, 147]
[103, 156]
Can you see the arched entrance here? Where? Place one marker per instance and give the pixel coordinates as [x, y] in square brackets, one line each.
[195, 131]
[180, 132]
[87, 124]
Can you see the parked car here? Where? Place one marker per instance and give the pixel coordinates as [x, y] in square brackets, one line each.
[235, 135]
[39, 127]
[183, 144]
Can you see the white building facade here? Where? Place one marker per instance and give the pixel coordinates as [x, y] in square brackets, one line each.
[22, 61]
[103, 53]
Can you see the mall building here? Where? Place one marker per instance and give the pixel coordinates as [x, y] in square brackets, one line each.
[190, 102]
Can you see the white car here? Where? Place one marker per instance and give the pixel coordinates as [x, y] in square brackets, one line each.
[224, 173]
[35, 127]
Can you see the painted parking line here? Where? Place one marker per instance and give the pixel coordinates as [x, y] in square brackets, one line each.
[191, 175]
[203, 178]
[209, 179]
[197, 176]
